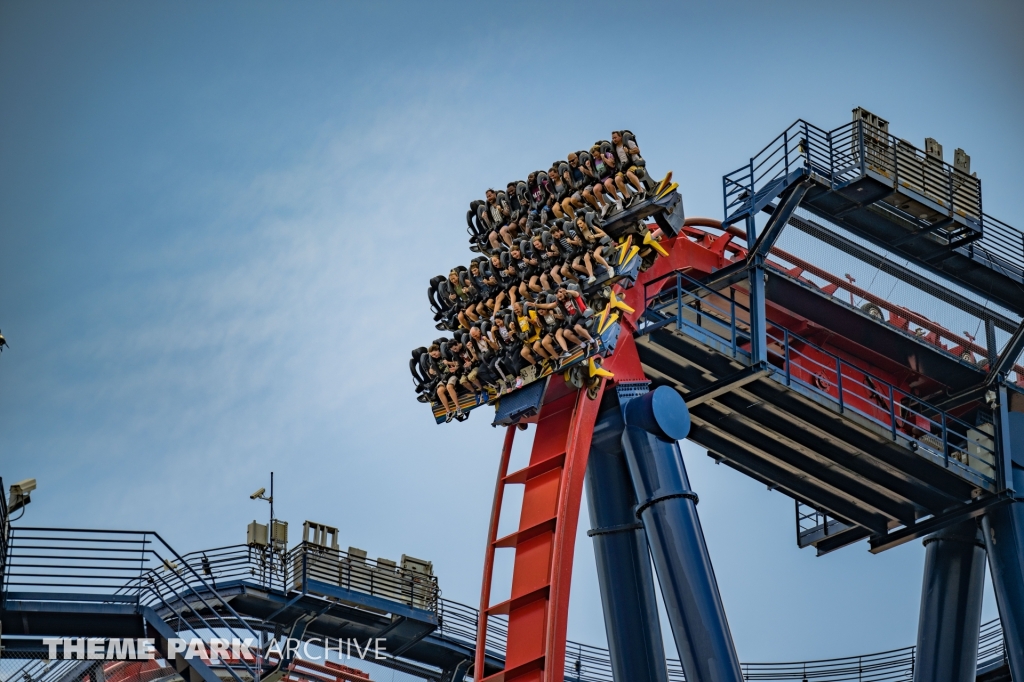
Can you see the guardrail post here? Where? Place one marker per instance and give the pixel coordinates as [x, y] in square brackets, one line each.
[785, 150]
[945, 441]
[839, 383]
[679, 302]
[892, 412]
[860, 146]
[785, 348]
[732, 318]
[831, 160]
[750, 200]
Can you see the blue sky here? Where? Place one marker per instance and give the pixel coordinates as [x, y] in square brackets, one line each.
[217, 222]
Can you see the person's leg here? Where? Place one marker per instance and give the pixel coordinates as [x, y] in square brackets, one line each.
[588, 195]
[583, 333]
[560, 338]
[535, 283]
[635, 182]
[620, 183]
[471, 314]
[527, 355]
[609, 185]
[442, 395]
[568, 209]
[600, 259]
[549, 343]
[506, 234]
[556, 208]
[492, 239]
[541, 350]
[588, 265]
[453, 393]
[499, 300]
[556, 274]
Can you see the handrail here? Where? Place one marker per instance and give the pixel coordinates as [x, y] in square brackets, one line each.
[927, 426]
[851, 151]
[5, 531]
[457, 622]
[594, 663]
[118, 563]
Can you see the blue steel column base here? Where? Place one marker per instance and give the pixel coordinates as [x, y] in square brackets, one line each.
[624, 572]
[667, 509]
[951, 599]
[1003, 530]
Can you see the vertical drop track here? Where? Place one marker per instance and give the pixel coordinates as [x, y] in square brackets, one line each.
[538, 608]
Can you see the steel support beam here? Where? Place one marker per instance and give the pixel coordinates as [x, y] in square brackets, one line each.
[729, 383]
[951, 599]
[1004, 363]
[914, 279]
[1004, 538]
[624, 572]
[758, 318]
[667, 508]
[780, 217]
[963, 512]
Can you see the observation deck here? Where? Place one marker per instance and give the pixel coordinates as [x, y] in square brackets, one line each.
[892, 194]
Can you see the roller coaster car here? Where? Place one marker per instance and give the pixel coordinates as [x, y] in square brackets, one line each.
[665, 207]
[581, 368]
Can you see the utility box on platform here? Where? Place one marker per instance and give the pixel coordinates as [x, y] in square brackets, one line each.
[256, 535]
[418, 586]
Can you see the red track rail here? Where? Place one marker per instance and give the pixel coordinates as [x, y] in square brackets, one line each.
[538, 607]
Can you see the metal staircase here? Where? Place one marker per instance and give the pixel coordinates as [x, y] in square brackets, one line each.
[121, 584]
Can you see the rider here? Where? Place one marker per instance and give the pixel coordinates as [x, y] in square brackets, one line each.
[627, 155]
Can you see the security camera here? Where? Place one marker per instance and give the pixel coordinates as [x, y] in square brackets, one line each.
[258, 494]
[24, 487]
[19, 495]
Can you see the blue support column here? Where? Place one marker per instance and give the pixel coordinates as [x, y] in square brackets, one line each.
[624, 570]
[951, 598]
[1004, 538]
[667, 508]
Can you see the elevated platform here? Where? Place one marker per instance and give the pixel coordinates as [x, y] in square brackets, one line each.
[892, 194]
[441, 655]
[812, 421]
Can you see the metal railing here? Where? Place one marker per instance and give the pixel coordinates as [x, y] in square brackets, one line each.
[586, 663]
[5, 528]
[718, 315]
[842, 155]
[845, 154]
[78, 563]
[126, 567]
[294, 570]
[379, 578]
